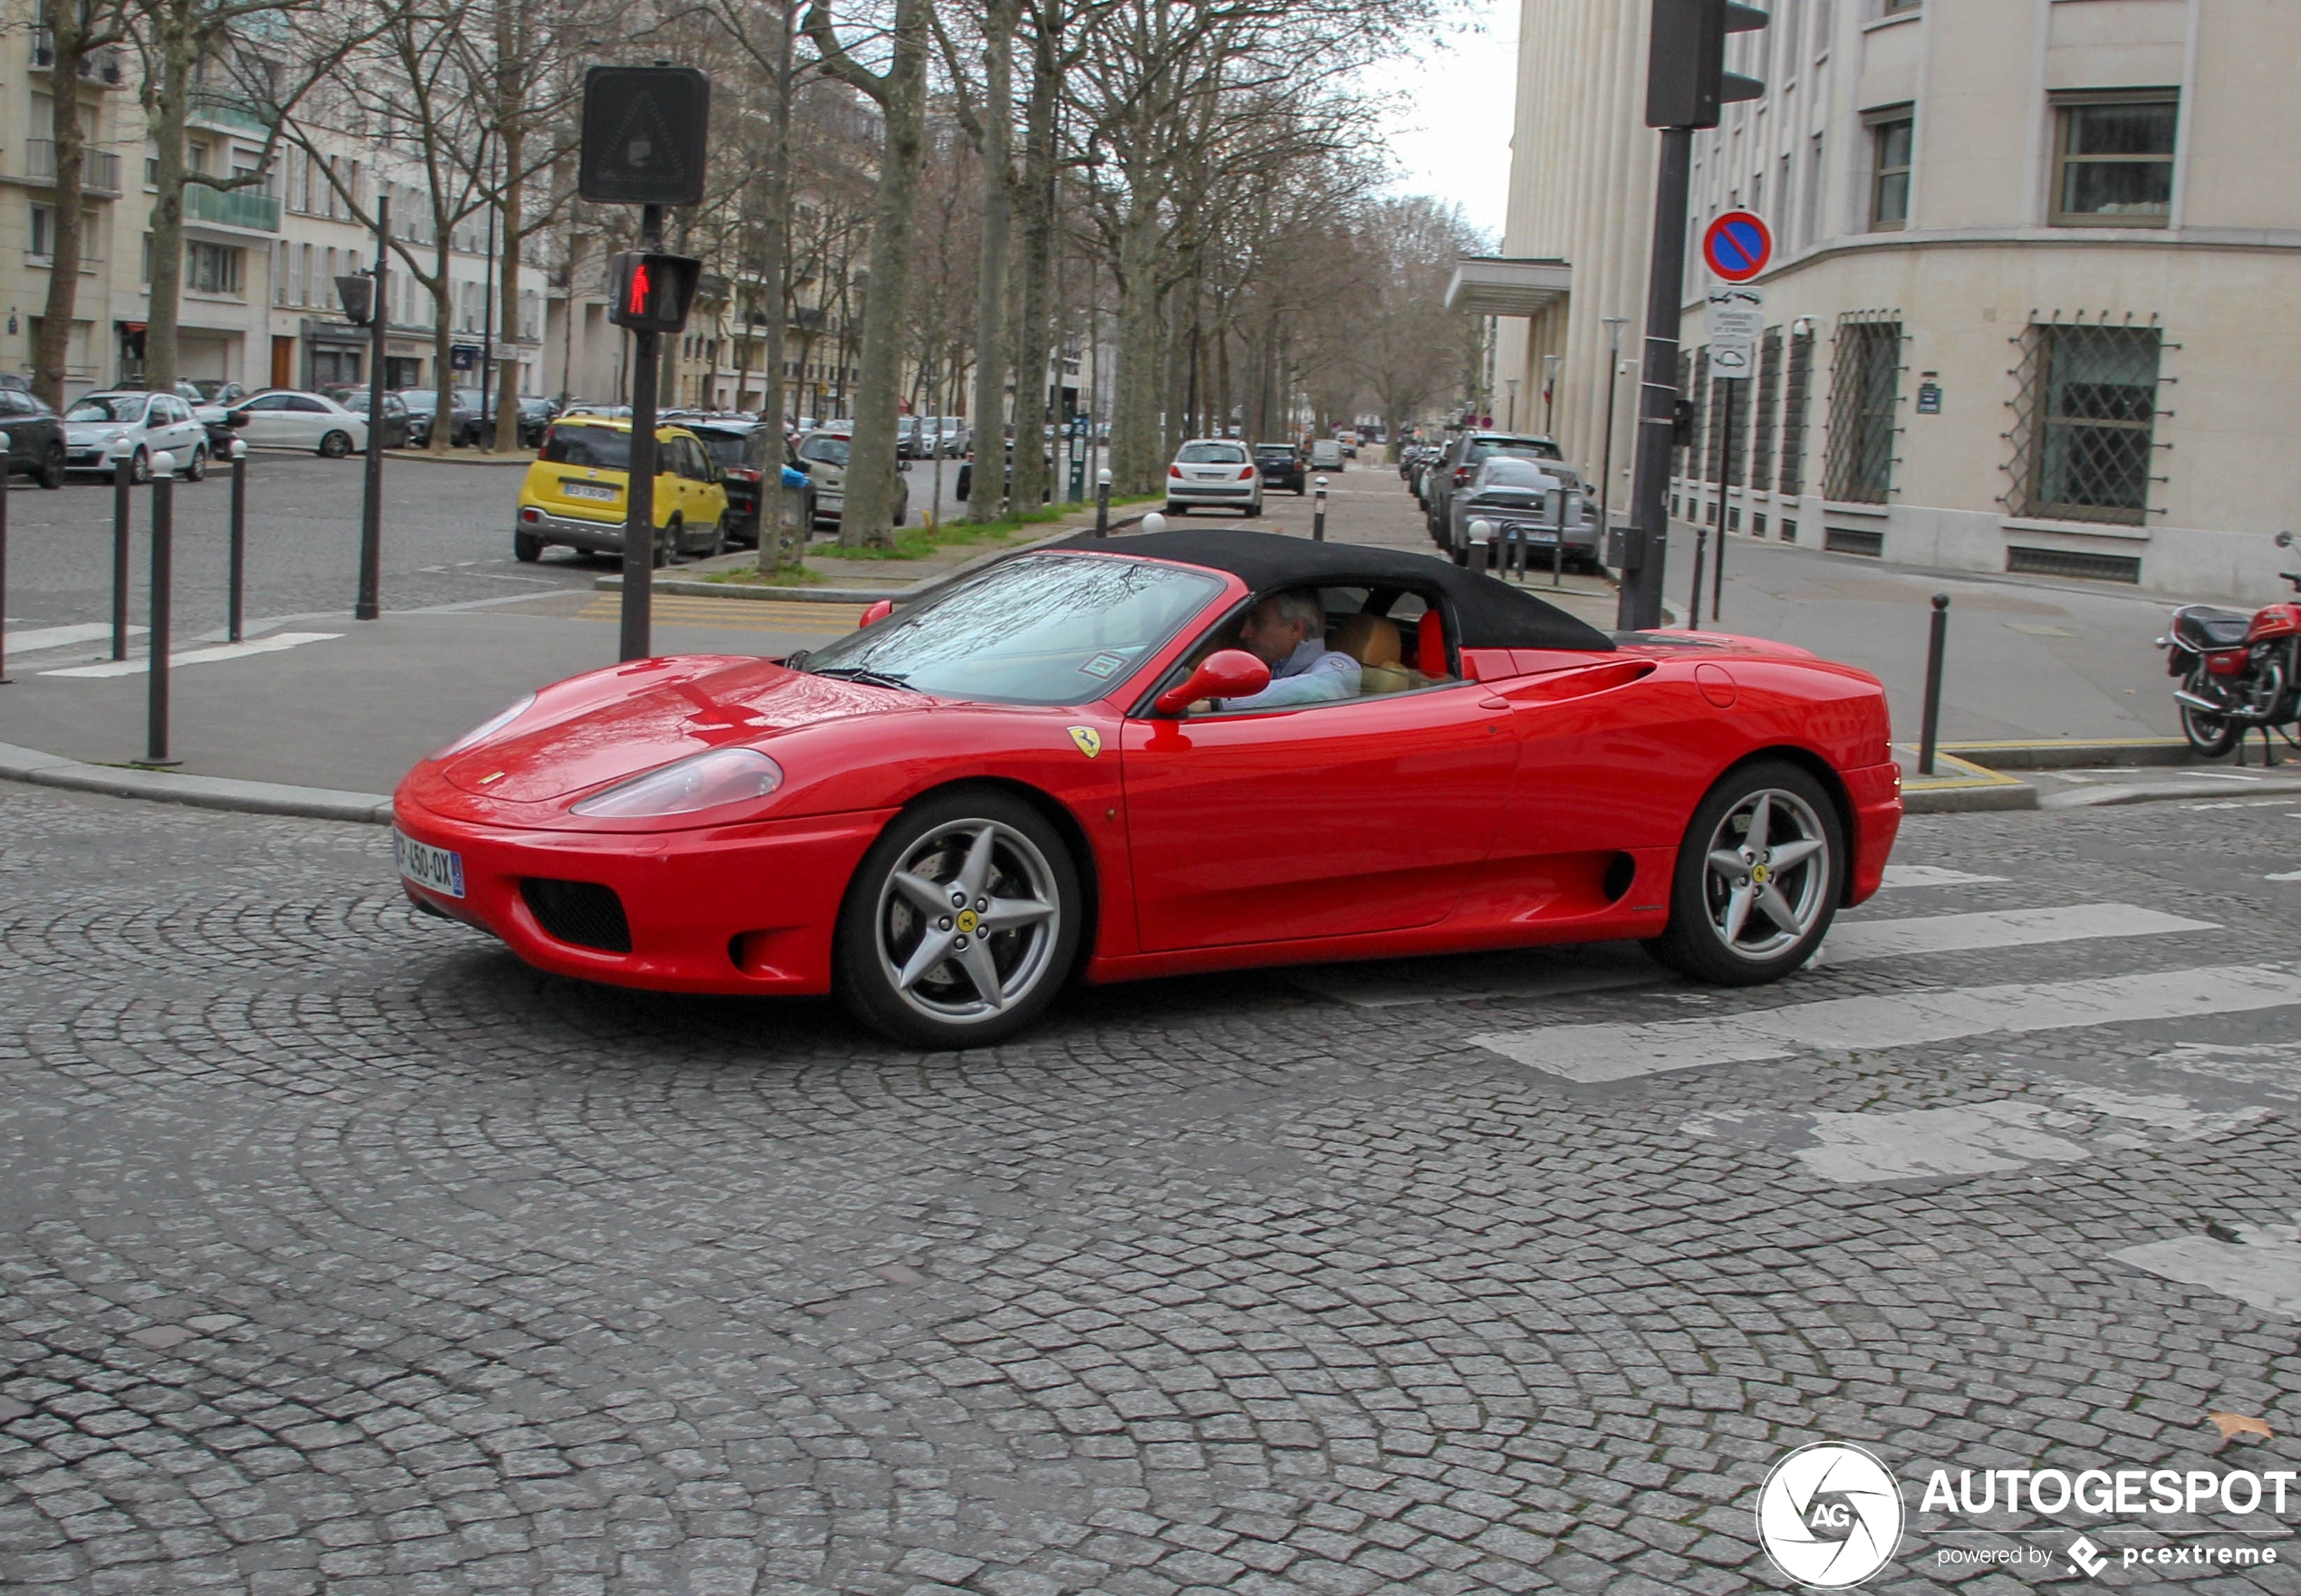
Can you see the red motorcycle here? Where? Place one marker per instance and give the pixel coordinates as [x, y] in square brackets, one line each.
[2238, 671]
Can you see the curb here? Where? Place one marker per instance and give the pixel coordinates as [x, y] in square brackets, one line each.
[49, 770]
[463, 457]
[1964, 799]
[2113, 752]
[916, 590]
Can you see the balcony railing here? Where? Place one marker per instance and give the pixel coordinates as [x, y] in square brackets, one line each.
[99, 169]
[231, 207]
[98, 66]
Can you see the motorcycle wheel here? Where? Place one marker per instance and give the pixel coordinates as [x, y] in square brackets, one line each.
[2211, 736]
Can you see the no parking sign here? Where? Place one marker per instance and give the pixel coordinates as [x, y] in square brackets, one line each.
[1738, 246]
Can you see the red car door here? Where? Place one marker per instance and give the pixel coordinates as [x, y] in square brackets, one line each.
[1370, 815]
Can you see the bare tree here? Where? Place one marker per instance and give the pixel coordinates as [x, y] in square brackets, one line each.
[81, 33]
[989, 121]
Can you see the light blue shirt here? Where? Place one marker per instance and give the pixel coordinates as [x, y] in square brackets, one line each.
[1312, 674]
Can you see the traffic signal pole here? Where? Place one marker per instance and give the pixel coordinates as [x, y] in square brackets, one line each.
[370, 602]
[639, 522]
[1647, 542]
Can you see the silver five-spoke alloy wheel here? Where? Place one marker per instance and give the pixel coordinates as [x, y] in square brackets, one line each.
[967, 922]
[1767, 877]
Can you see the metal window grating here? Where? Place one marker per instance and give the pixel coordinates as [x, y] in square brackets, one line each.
[2085, 419]
[1865, 382]
[1767, 414]
[1797, 383]
[1789, 532]
[2027, 562]
[582, 912]
[1852, 540]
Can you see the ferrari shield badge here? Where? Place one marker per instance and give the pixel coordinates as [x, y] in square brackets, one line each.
[1089, 740]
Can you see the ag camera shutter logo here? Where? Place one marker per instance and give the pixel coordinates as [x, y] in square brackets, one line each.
[1829, 1515]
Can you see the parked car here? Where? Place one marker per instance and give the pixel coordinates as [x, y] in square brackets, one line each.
[637, 826]
[397, 425]
[215, 390]
[1465, 453]
[1213, 471]
[1281, 464]
[750, 457]
[36, 436]
[823, 455]
[536, 413]
[105, 431]
[1533, 502]
[285, 418]
[1326, 455]
[965, 488]
[955, 437]
[573, 495]
[423, 405]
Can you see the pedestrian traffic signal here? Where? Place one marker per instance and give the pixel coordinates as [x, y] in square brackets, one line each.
[358, 292]
[645, 132]
[1686, 75]
[651, 291]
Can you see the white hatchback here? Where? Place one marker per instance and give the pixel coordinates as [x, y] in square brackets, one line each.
[1215, 471]
[105, 431]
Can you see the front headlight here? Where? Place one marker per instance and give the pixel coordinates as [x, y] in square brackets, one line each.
[705, 781]
[488, 727]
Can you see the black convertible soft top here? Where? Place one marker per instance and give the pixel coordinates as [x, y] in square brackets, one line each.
[1489, 613]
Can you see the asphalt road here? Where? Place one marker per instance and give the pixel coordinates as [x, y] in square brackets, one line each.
[344, 1254]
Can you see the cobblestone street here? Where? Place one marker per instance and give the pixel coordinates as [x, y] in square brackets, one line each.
[344, 1253]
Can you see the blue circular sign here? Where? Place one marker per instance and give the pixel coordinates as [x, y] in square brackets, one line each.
[1738, 246]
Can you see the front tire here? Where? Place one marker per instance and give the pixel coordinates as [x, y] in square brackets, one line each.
[962, 924]
[197, 471]
[140, 467]
[1757, 880]
[335, 446]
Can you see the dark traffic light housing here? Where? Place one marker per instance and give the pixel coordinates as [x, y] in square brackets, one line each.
[645, 134]
[1686, 75]
[651, 293]
[358, 294]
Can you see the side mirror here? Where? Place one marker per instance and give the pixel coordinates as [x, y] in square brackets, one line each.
[2284, 540]
[1227, 673]
[877, 612]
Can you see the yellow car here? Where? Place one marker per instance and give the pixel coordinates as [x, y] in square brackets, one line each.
[574, 494]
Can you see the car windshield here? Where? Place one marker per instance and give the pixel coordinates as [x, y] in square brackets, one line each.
[1042, 628]
[1514, 471]
[107, 407]
[422, 400]
[1211, 454]
[1273, 451]
[1530, 448]
[831, 451]
[606, 448]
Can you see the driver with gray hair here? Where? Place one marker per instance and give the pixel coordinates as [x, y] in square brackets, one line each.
[1287, 632]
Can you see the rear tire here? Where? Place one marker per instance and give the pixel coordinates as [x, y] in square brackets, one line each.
[51, 467]
[667, 544]
[1747, 908]
[718, 544]
[527, 548]
[335, 446]
[1001, 853]
[2212, 736]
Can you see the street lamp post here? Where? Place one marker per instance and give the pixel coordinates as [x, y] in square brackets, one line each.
[1510, 423]
[1615, 324]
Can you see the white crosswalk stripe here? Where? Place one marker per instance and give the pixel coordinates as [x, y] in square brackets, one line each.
[1855, 941]
[1593, 1053]
[37, 639]
[1928, 875]
[221, 652]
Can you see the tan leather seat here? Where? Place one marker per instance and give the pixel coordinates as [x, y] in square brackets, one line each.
[1371, 639]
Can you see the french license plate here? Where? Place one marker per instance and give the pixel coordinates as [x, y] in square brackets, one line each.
[587, 490]
[437, 869]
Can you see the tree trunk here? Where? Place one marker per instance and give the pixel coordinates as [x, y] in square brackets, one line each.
[775, 257]
[1035, 309]
[990, 288]
[1138, 445]
[868, 516]
[53, 349]
[512, 125]
[443, 312]
[169, 110]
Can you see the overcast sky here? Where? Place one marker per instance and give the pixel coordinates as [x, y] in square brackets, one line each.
[1451, 136]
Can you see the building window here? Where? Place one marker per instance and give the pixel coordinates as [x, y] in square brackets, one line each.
[44, 231]
[2114, 161]
[211, 268]
[1866, 380]
[2086, 418]
[1890, 143]
[1896, 8]
[1812, 228]
[1770, 402]
[1796, 384]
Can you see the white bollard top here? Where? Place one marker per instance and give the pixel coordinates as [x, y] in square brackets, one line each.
[1102, 478]
[163, 463]
[1154, 521]
[239, 449]
[4, 440]
[1481, 532]
[1322, 485]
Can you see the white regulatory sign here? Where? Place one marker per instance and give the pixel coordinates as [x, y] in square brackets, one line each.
[1737, 321]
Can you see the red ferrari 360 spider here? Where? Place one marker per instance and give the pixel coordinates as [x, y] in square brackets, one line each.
[1043, 773]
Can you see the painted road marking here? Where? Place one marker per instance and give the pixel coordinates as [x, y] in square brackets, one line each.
[1592, 1054]
[271, 645]
[736, 615]
[1927, 875]
[1852, 942]
[34, 639]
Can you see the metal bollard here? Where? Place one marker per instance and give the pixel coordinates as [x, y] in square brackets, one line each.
[1932, 721]
[120, 508]
[1717, 568]
[1318, 514]
[1152, 522]
[1558, 557]
[1701, 548]
[163, 581]
[1481, 546]
[238, 577]
[1102, 503]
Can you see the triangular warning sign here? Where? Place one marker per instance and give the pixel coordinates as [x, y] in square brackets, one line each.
[643, 147]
